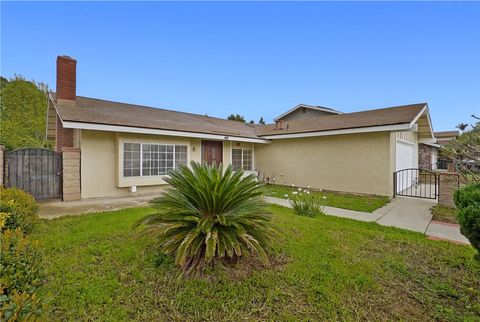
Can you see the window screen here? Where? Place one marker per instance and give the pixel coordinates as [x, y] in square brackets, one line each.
[242, 159]
[237, 159]
[131, 159]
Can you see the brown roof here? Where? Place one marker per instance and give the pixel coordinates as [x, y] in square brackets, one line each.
[90, 110]
[442, 142]
[447, 134]
[445, 137]
[385, 116]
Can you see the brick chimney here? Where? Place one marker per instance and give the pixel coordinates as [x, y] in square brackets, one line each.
[66, 96]
[66, 78]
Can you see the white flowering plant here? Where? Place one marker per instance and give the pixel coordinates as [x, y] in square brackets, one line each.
[307, 204]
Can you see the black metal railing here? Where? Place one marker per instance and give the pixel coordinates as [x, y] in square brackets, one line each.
[413, 182]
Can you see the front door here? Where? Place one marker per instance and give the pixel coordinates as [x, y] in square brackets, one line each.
[212, 152]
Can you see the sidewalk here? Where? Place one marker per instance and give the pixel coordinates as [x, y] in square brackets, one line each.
[402, 212]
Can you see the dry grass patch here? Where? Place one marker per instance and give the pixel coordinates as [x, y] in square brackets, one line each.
[445, 214]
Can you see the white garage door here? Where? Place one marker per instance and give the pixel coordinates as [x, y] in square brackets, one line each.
[404, 156]
[405, 159]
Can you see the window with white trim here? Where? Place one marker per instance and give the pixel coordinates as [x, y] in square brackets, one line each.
[150, 159]
[242, 159]
[131, 159]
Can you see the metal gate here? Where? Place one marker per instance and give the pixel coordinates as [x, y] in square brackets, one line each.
[416, 183]
[36, 171]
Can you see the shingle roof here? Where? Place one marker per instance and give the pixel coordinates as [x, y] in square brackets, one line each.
[445, 137]
[385, 116]
[90, 110]
[447, 134]
[313, 107]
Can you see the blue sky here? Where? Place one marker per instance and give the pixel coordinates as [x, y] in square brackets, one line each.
[255, 59]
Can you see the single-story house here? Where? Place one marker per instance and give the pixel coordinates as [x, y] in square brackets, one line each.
[127, 148]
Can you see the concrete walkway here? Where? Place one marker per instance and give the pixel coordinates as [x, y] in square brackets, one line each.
[445, 231]
[402, 212]
[50, 210]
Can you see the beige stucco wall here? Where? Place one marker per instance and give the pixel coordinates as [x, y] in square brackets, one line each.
[358, 163]
[102, 156]
[102, 159]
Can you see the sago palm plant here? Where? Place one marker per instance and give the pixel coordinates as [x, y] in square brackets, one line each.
[210, 213]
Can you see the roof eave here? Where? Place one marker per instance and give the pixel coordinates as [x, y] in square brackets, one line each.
[378, 128]
[141, 130]
[425, 111]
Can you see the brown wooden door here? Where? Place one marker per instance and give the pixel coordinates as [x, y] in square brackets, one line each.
[212, 152]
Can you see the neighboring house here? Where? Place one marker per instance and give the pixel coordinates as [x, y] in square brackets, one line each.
[428, 153]
[302, 111]
[442, 138]
[128, 148]
[428, 156]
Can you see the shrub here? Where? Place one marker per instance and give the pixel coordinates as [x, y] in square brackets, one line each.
[20, 275]
[20, 260]
[21, 207]
[467, 199]
[21, 307]
[307, 204]
[210, 214]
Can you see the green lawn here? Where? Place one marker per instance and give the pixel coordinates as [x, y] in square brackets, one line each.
[334, 269]
[339, 200]
[445, 214]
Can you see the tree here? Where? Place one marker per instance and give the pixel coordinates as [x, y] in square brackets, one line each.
[252, 122]
[464, 153]
[261, 121]
[23, 109]
[236, 117]
[3, 81]
[462, 126]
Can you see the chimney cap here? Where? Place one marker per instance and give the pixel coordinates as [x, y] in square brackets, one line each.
[65, 56]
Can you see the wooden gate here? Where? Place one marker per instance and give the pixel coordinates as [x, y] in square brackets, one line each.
[36, 171]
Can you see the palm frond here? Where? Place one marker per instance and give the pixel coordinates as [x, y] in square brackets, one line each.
[210, 213]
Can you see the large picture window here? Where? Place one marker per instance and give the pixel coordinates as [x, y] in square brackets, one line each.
[148, 159]
[242, 159]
